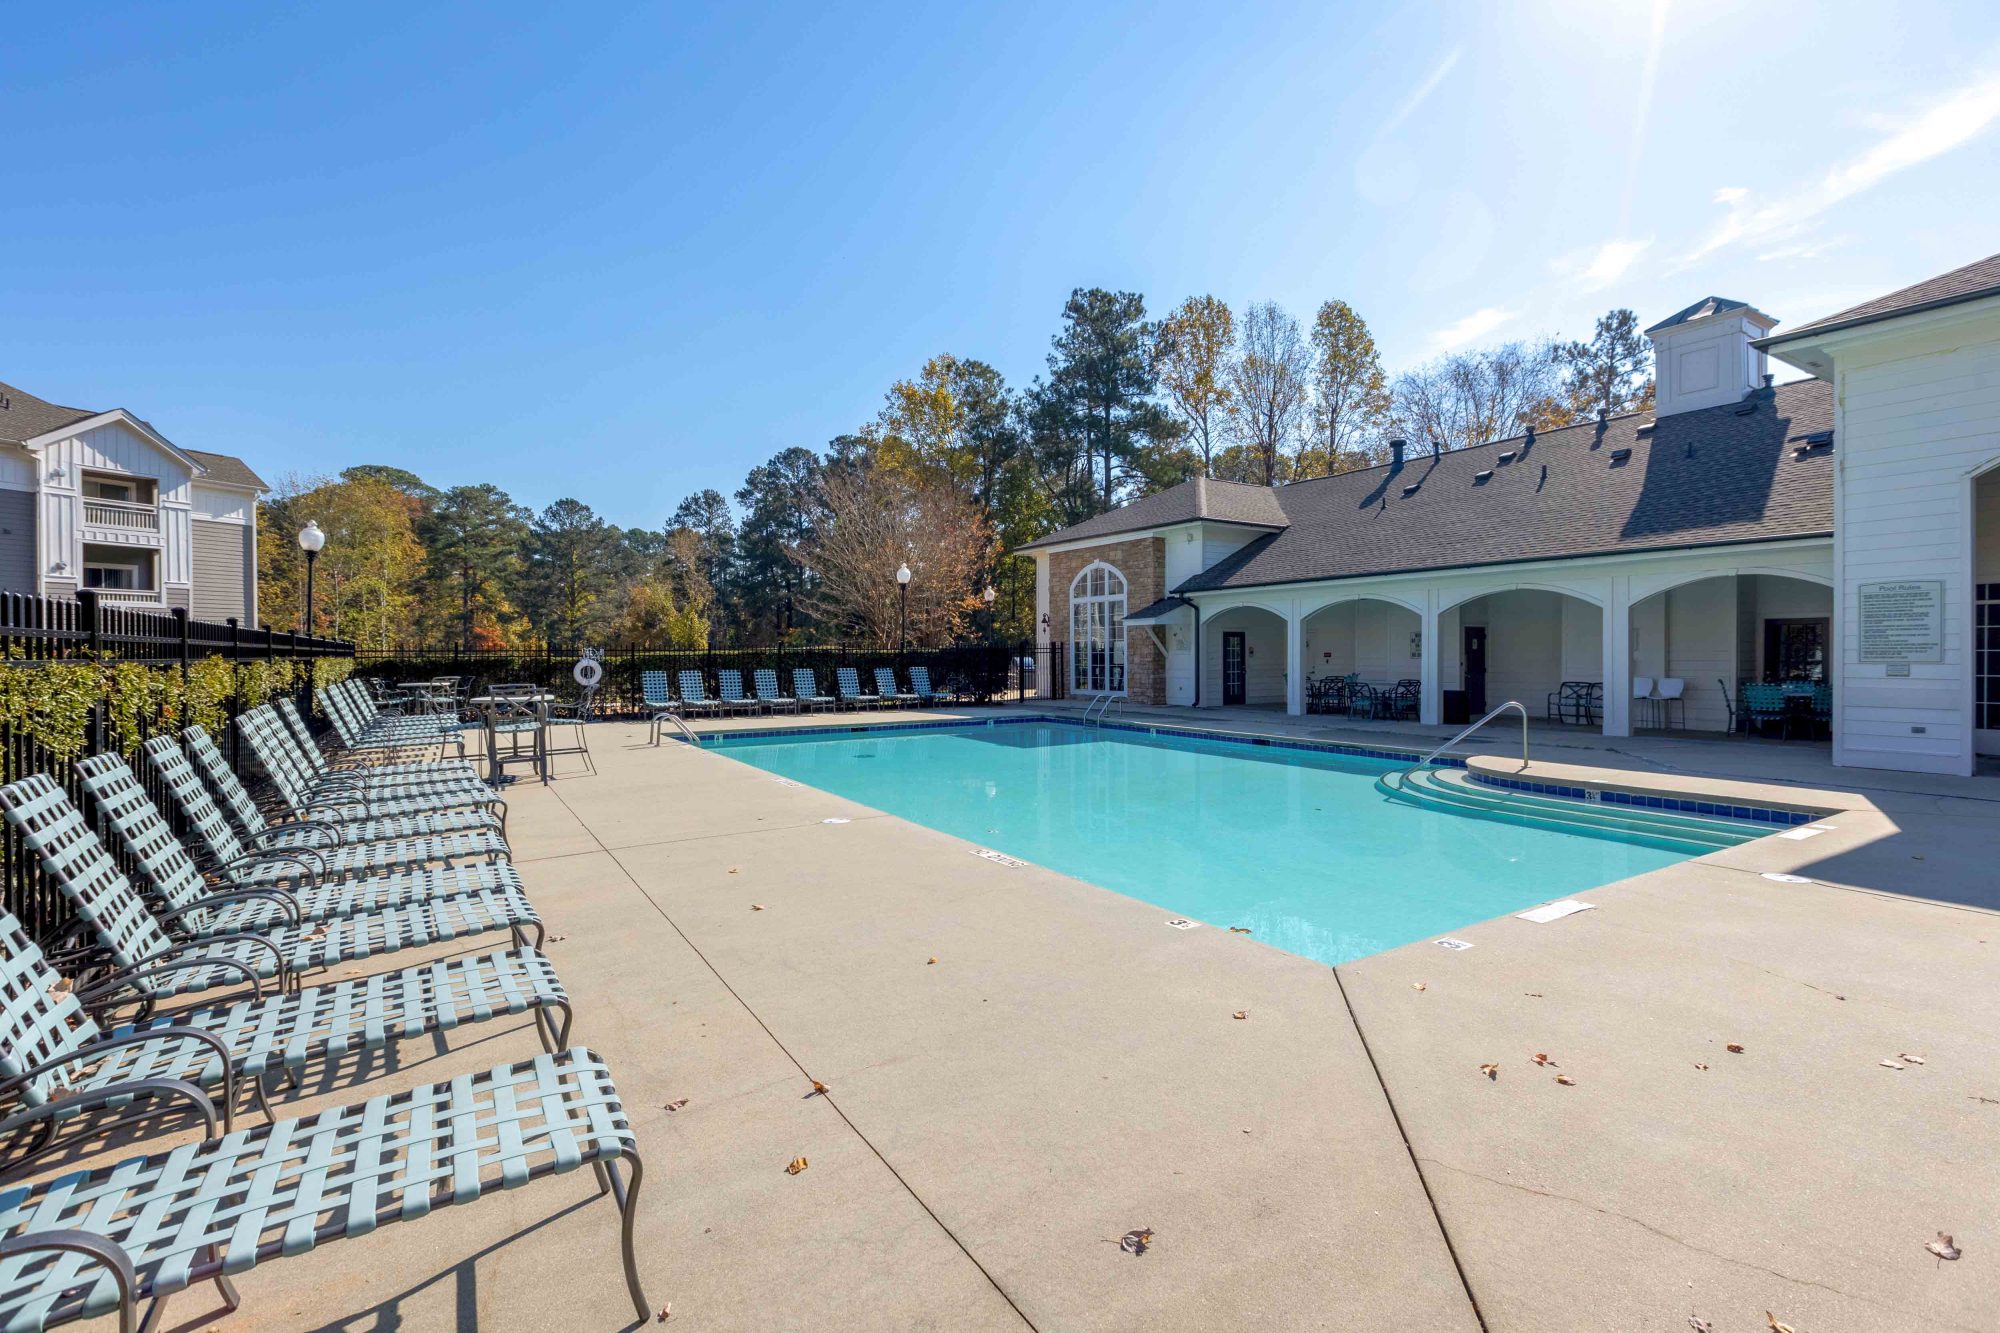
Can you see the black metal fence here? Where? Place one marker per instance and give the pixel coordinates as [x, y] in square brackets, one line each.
[979, 671]
[38, 632]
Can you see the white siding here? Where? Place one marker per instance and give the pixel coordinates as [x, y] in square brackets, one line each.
[1918, 413]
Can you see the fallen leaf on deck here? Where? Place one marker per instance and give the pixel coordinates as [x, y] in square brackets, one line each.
[1942, 1247]
[1699, 1065]
[732, 870]
[666, 1313]
[1700, 1325]
[756, 907]
[675, 1106]
[819, 1089]
[1735, 1048]
[1909, 1059]
[1986, 1101]
[1532, 994]
[1542, 1058]
[798, 1165]
[932, 961]
[1777, 1325]
[557, 939]
[1888, 1064]
[1239, 930]
[1566, 1080]
[1418, 985]
[1491, 1071]
[1243, 1013]
[1137, 1241]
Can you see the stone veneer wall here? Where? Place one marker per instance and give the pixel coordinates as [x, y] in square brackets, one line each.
[1143, 562]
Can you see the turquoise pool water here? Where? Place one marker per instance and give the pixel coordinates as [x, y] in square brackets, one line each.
[1299, 846]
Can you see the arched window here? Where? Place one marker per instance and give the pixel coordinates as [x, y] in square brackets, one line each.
[1097, 631]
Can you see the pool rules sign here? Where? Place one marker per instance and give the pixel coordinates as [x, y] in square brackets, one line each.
[1902, 621]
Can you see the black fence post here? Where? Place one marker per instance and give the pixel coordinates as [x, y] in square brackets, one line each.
[181, 633]
[93, 639]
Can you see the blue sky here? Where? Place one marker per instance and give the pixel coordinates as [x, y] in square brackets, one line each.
[626, 256]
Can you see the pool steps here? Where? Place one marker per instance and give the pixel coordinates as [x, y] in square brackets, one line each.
[1454, 790]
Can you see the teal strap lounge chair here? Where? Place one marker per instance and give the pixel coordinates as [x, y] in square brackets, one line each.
[766, 681]
[805, 688]
[729, 684]
[131, 934]
[658, 701]
[920, 685]
[359, 729]
[847, 684]
[694, 695]
[53, 1049]
[341, 827]
[104, 1241]
[885, 687]
[123, 804]
[302, 798]
[274, 746]
[224, 853]
[370, 767]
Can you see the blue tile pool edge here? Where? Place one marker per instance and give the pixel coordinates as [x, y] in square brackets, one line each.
[1776, 815]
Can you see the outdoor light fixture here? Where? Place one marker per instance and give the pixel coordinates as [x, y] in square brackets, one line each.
[903, 627]
[988, 595]
[903, 575]
[311, 539]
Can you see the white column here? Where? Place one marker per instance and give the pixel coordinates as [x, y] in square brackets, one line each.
[1618, 657]
[1430, 707]
[1295, 661]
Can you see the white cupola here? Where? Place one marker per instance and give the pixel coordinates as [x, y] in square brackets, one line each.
[1703, 357]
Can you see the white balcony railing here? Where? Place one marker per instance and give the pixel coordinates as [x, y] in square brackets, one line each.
[121, 514]
[131, 596]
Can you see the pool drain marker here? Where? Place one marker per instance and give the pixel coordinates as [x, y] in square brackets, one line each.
[1777, 878]
[1182, 923]
[998, 858]
[836, 820]
[1449, 943]
[1805, 831]
[1556, 911]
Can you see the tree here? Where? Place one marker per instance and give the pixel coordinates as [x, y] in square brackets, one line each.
[1191, 354]
[404, 480]
[709, 559]
[1610, 374]
[781, 508]
[882, 517]
[1350, 396]
[365, 577]
[473, 536]
[568, 553]
[1268, 380]
[649, 618]
[1102, 366]
[1470, 398]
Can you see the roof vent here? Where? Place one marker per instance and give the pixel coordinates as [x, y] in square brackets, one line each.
[1528, 441]
[1437, 446]
[1645, 428]
[6, 403]
[1413, 488]
[1507, 457]
[1746, 408]
[1481, 478]
[1396, 452]
[1819, 439]
[1619, 456]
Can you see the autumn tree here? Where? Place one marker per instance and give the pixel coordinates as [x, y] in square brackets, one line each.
[1469, 398]
[1350, 395]
[364, 584]
[1191, 354]
[474, 537]
[1268, 382]
[877, 519]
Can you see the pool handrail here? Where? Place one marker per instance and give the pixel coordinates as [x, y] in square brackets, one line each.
[1511, 703]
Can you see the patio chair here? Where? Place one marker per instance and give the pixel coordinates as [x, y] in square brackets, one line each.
[694, 695]
[805, 688]
[766, 681]
[215, 949]
[1642, 693]
[657, 699]
[1406, 704]
[1764, 704]
[165, 862]
[920, 685]
[885, 687]
[1670, 693]
[94, 1242]
[1361, 699]
[729, 685]
[847, 685]
[368, 772]
[224, 853]
[55, 1052]
[575, 714]
[473, 832]
[1729, 703]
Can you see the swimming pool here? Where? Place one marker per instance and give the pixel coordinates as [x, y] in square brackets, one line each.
[1298, 845]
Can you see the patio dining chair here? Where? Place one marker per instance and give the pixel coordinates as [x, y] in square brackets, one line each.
[1670, 694]
[1764, 703]
[1407, 702]
[106, 1240]
[1361, 699]
[805, 688]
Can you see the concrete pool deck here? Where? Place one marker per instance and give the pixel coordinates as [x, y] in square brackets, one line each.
[1069, 1070]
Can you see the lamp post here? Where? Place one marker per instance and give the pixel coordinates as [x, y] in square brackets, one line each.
[310, 541]
[903, 630]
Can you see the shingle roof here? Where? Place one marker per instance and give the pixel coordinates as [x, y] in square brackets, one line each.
[1702, 309]
[226, 469]
[1201, 498]
[1970, 283]
[1699, 478]
[27, 416]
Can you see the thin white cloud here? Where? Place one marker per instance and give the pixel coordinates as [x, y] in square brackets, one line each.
[1950, 123]
[1423, 90]
[1470, 329]
[1594, 270]
[1649, 72]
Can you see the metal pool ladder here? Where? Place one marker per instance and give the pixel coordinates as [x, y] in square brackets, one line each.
[1513, 704]
[1102, 703]
[679, 723]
